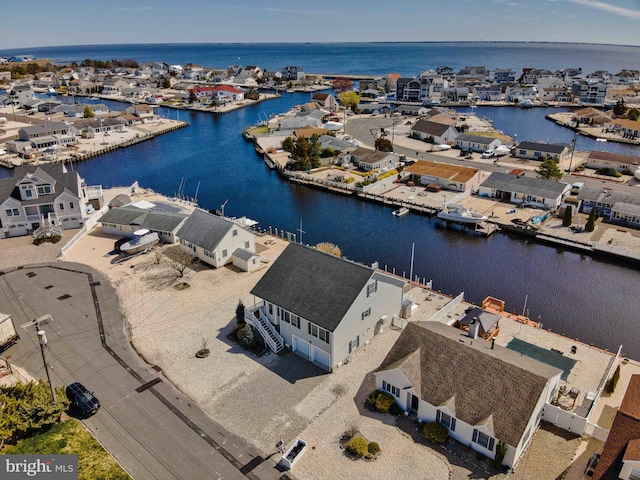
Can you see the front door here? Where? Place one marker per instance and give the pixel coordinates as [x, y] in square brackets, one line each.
[414, 403]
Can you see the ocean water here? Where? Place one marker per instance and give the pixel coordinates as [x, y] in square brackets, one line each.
[572, 294]
[407, 59]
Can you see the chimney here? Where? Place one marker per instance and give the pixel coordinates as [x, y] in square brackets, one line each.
[493, 342]
[474, 326]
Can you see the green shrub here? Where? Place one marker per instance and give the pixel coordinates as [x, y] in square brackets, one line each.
[436, 432]
[394, 409]
[371, 399]
[591, 222]
[384, 402]
[501, 451]
[239, 332]
[358, 446]
[373, 448]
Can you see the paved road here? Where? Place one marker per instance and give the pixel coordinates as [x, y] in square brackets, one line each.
[151, 428]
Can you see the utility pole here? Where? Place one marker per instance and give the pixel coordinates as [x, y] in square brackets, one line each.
[43, 342]
[573, 149]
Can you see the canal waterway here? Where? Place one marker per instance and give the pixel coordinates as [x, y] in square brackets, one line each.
[572, 294]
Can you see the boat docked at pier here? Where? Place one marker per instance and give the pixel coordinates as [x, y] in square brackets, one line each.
[142, 240]
[454, 212]
[400, 212]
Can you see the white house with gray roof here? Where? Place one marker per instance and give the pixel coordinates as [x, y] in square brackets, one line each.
[125, 220]
[487, 396]
[534, 192]
[43, 196]
[542, 151]
[323, 307]
[477, 143]
[214, 239]
[615, 206]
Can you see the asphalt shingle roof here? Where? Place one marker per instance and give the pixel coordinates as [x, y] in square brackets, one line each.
[158, 221]
[51, 174]
[312, 284]
[527, 185]
[204, 229]
[494, 387]
[541, 147]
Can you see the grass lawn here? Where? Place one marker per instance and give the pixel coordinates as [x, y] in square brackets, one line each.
[258, 130]
[71, 437]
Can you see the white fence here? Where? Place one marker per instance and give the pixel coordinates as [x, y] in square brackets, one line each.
[89, 223]
[446, 310]
[566, 420]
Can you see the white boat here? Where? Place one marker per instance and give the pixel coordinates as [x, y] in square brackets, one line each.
[454, 212]
[142, 240]
[637, 174]
[526, 103]
[401, 211]
[501, 150]
[52, 92]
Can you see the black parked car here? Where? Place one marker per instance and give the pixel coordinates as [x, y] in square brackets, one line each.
[82, 400]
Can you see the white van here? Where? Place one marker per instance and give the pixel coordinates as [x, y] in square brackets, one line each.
[576, 187]
[488, 154]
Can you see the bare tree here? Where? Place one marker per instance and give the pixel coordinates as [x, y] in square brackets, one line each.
[157, 254]
[179, 261]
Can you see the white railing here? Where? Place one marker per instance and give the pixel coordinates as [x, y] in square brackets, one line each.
[89, 223]
[256, 317]
[447, 308]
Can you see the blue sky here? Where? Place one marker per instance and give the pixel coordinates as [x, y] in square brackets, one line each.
[72, 22]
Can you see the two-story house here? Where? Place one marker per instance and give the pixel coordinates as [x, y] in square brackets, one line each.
[42, 196]
[323, 307]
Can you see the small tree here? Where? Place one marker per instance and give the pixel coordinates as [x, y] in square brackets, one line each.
[88, 112]
[288, 144]
[240, 321]
[566, 220]
[591, 222]
[192, 97]
[179, 262]
[247, 335]
[501, 451]
[619, 108]
[384, 402]
[549, 170]
[358, 446]
[383, 145]
[349, 99]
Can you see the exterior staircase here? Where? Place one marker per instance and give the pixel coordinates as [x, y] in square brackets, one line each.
[47, 230]
[272, 338]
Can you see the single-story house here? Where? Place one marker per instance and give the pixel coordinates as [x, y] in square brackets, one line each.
[123, 221]
[534, 192]
[620, 457]
[323, 307]
[412, 109]
[214, 239]
[477, 143]
[434, 132]
[373, 108]
[487, 396]
[615, 206]
[367, 159]
[448, 176]
[542, 151]
[629, 128]
[621, 163]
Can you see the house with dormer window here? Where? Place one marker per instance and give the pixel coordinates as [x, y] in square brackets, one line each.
[487, 396]
[322, 307]
[42, 196]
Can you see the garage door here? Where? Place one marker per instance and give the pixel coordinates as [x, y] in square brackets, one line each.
[319, 356]
[300, 347]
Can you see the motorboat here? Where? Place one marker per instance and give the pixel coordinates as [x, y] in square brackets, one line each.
[637, 174]
[52, 92]
[454, 212]
[142, 239]
[400, 212]
[526, 103]
[501, 150]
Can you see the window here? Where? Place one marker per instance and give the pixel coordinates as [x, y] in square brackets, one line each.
[372, 288]
[286, 317]
[61, 205]
[246, 244]
[318, 332]
[12, 212]
[353, 344]
[44, 189]
[483, 439]
[224, 254]
[387, 387]
[295, 321]
[235, 232]
[366, 313]
[270, 309]
[446, 420]
[72, 205]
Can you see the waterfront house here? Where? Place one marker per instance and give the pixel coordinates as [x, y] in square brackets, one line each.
[292, 73]
[46, 196]
[477, 143]
[628, 128]
[325, 101]
[590, 92]
[620, 457]
[114, 85]
[367, 160]
[626, 77]
[591, 116]
[143, 112]
[410, 90]
[213, 239]
[616, 161]
[323, 307]
[522, 190]
[450, 177]
[614, 206]
[502, 75]
[102, 126]
[227, 93]
[50, 134]
[542, 151]
[125, 220]
[308, 131]
[434, 132]
[492, 93]
[19, 94]
[487, 396]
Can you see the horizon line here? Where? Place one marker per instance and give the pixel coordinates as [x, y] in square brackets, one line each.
[332, 43]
